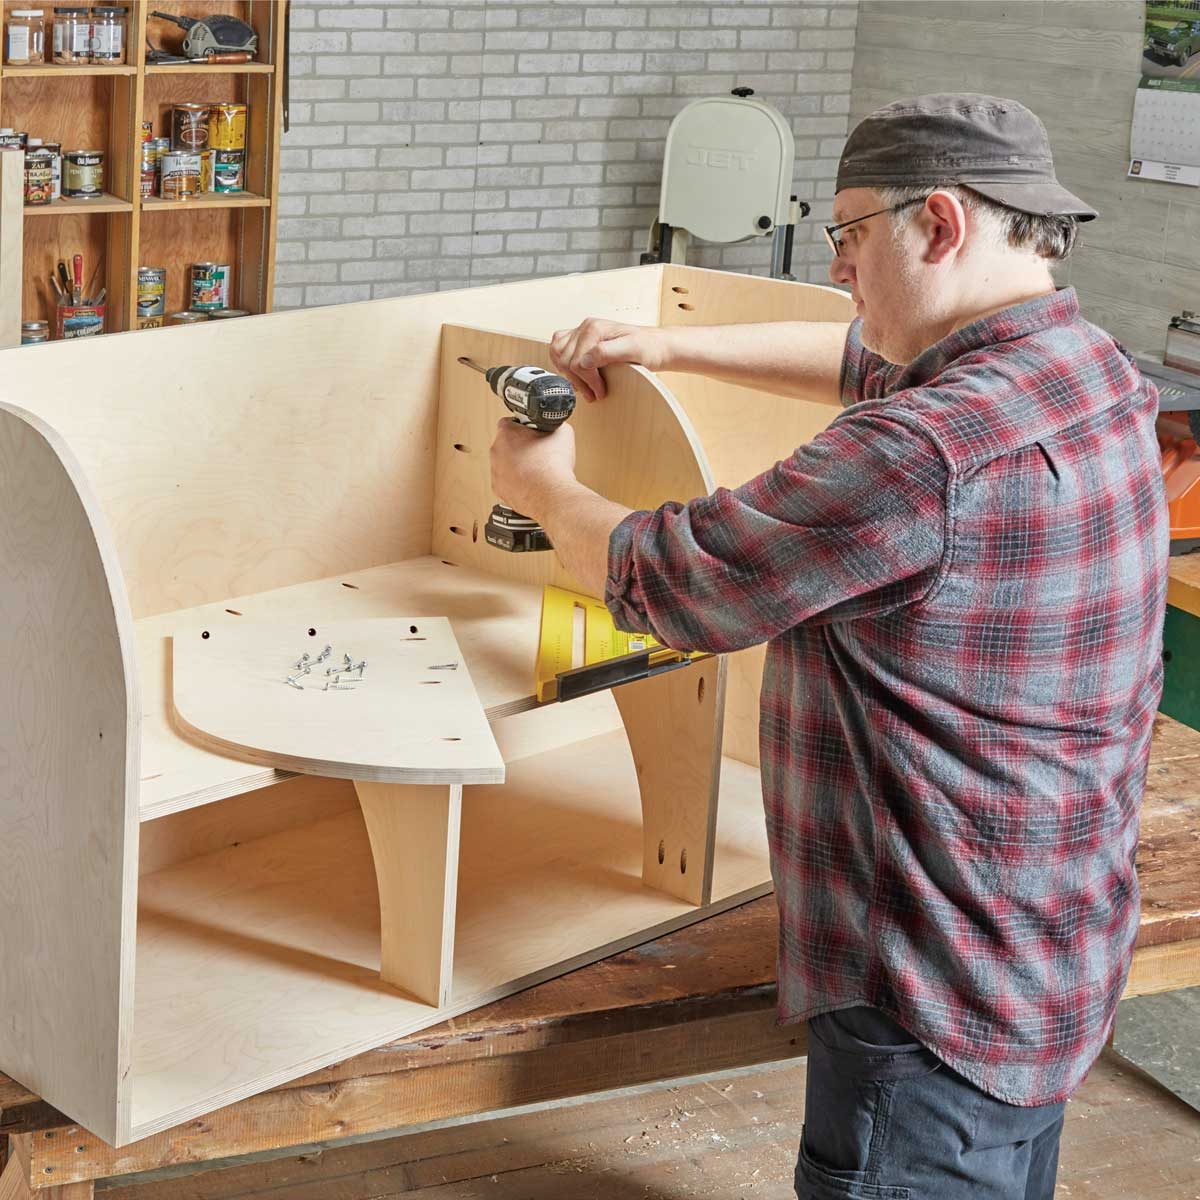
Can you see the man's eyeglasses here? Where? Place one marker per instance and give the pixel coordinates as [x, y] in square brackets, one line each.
[835, 242]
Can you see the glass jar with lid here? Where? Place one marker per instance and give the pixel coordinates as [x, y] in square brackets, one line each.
[108, 34]
[25, 37]
[72, 35]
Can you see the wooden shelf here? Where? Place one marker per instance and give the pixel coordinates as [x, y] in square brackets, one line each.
[243, 952]
[495, 621]
[207, 200]
[52, 70]
[105, 203]
[251, 68]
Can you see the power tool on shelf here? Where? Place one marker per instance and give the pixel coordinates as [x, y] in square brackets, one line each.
[207, 37]
[540, 401]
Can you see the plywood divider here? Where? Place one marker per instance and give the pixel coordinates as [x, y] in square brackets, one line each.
[638, 448]
[414, 834]
[673, 725]
[744, 431]
[70, 745]
[12, 256]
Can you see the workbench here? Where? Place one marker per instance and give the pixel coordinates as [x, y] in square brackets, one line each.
[697, 1000]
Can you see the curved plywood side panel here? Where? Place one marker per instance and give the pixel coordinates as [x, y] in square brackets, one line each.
[638, 448]
[745, 431]
[237, 457]
[69, 768]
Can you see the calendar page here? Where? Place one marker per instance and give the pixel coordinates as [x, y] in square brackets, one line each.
[1164, 142]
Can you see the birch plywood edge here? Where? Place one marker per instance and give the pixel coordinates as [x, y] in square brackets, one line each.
[411, 715]
[69, 754]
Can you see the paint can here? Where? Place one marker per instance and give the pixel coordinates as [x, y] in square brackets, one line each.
[218, 314]
[210, 286]
[186, 318]
[152, 298]
[147, 132]
[39, 176]
[189, 127]
[180, 175]
[10, 139]
[34, 331]
[221, 170]
[148, 172]
[227, 127]
[56, 167]
[83, 174]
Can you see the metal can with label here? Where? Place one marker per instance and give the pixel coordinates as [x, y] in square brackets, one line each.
[34, 331]
[152, 296]
[211, 286]
[39, 176]
[221, 170]
[179, 175]
[10, 138]
[147, 132]
[83, 174]
[186, 318]
[149, 169]
[189, 127]
[227, 127]
[221, 314]
[56, 165]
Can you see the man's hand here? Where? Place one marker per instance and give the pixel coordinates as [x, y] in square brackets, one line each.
[580, 353]
[528, 466]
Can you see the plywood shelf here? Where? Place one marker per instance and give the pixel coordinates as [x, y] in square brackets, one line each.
[104, 203]
[207, 200]
[56, 70]
[251, 68]
[495, 621]
[242, 953]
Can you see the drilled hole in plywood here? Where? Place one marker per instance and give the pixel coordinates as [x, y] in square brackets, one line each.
[683, 861]
[475, 532]
[206, 634]
[451, 739]
[233, 612]
[430, 682]
[351, 585]
[447, 563]
[458, 531]
[413, 629]
[700, 690]
[688, 307]
[662, 853]
[312, 633]
[680, 291]
[461, 448]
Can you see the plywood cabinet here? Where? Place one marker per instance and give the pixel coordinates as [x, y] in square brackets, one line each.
[102, 108]
[185, 924]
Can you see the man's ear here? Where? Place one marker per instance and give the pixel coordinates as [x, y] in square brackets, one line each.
[944, 223]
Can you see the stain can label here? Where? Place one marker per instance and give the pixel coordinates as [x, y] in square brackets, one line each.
[39, 177]
[189, 127]
[210, 286]
[222, 170]
[180, 175]
[83, 174]
[227, 127]
[152, 296]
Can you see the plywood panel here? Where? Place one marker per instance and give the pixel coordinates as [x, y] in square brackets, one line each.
[253, 456]
[69, 747]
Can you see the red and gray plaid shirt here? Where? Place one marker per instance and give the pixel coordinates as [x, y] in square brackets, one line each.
[962, 583]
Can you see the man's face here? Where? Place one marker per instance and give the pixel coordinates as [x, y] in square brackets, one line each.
[883, 274]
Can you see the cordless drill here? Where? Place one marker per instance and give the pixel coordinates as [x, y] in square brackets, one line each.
[542, 402]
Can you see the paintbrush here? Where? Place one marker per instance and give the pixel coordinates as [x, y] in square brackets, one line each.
[62, 296]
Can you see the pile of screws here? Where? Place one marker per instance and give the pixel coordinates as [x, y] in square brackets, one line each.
[333, 675]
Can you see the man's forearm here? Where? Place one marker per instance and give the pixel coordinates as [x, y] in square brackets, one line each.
[790, 358]
[579, 523]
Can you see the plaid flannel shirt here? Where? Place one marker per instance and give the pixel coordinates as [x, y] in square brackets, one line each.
[962, 583]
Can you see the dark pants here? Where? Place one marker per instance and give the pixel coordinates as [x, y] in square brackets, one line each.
[884, 1119]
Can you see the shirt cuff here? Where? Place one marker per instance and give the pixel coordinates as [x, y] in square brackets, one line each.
[620, 589]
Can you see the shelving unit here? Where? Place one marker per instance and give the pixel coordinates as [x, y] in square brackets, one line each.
[102, 107]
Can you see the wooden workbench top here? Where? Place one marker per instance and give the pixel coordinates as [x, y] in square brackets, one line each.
[698, 999]
[1183, 585]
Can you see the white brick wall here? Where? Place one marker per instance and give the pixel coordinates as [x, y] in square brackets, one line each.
[437, 145]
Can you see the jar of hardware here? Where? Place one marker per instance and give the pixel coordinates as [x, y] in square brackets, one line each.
[25, 40]
[72, 36]
[108, 34]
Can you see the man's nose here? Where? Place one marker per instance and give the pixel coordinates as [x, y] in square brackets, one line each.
[840, 271]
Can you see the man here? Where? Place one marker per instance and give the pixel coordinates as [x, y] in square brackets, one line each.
[962, 583]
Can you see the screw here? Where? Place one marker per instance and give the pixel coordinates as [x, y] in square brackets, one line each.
[337, 687]
[301, 661]
[443, 667]
[347, 660]
[324, 654]
[292, 683]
